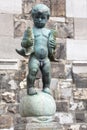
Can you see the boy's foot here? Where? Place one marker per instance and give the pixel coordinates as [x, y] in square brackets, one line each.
[47, 90]
[21, 52]
[31, 91]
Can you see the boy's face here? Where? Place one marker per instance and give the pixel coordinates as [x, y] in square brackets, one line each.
[40, 20]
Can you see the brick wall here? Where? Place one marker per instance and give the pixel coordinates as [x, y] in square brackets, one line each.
[69, 75]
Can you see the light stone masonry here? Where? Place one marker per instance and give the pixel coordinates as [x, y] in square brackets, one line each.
[43, 126]
[65, 90]
[76, 49]
[11, 6]
[6, 25]
[8, 46]
[9, 64]
[79, 67]
[76, 8]
[65, 118]
[80, 28]
[58, 19]
[6, 122]
[80, 94]
[77, 106]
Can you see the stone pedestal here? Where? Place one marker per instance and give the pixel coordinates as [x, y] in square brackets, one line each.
[43, 126]
[38, 126]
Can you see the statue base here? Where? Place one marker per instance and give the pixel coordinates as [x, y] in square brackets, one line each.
[42, 119]
[41, 105]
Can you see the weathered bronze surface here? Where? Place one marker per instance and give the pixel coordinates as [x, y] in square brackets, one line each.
[39, 43]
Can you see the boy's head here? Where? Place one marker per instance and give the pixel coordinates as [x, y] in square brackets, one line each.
[40, 15]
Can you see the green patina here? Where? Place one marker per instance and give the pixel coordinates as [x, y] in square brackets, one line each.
[39, 43]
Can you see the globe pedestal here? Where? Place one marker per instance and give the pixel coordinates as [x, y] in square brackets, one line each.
[42, 106]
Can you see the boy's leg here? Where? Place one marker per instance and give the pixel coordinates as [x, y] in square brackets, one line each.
[33, 67]
[46, 76]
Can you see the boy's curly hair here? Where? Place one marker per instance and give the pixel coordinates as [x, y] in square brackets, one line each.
[40, 8]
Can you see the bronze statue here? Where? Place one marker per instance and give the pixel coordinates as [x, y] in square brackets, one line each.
[39, 43]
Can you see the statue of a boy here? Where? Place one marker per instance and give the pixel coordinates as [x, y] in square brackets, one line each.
[39, 42]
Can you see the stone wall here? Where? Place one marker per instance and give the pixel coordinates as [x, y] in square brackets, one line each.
[69, 75]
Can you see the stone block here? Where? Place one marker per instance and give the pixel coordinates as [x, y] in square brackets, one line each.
[57, 19]
[3, 107]
[74, 127]
[80, 80]
[13, 108]
[6, 122]
[80, 94]
[21, 73]
[79, 70]
[6, 25]
[57, 8]
[8, 46]
[9, 64]
[80, 117]
[75, 49]
[9, 97]
[43, 126]
[70, 20]
[65, 118]
[68, 71]
[86, 117]
[11, 6]
[60, 52]
[78, 126]
[27, 6]
[65, 90]
[62, 106]
[60, 49]
[57, 70]
[76, 8]
[22, 93]
[77, 105]
[79, 67]
[65, 30]
[80, 26]
[52, 24]
[13, 85]
[4, 78]
[20, 127]
[20, 26]
[20, 122]
[83, 127]
[66, 93]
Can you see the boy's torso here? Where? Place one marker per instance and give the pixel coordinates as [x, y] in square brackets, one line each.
[41, 37]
